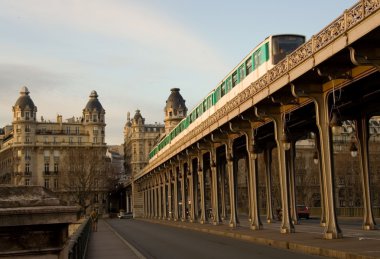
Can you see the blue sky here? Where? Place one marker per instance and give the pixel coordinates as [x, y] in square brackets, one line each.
[133, 52]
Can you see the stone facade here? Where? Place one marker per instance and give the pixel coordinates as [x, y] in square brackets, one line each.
[35, 152]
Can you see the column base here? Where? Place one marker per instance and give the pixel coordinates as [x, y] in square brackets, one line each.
[233, 224]
[254, 227]
[287, 230]
[369, 227]
[329, 235]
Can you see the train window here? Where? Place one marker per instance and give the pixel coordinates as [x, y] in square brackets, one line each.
[199, 110]
[217, 93]
[248, 65]
[283, 45]
[223, 89]
[234, 79]
[228, 84]
[205, 105]
[241, 73]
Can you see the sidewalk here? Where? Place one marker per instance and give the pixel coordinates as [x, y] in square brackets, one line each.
[309, 243]
[105, 243]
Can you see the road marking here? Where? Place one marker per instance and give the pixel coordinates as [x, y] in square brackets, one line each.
[134, 250]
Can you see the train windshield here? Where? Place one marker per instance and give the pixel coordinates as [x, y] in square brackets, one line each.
[282, 45]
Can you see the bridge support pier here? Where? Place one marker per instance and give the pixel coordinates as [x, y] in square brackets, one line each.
[279, 122]
[268, 181]
[231, 183]
[183, 193]
[191, 189]
[201, 187]
[214, 189]
[246, 127]
[170, 196]
[175, 193]
[320, 99]
[362, 137]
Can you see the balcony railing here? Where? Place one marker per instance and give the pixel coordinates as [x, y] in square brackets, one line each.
[78, 243]
[61, 132]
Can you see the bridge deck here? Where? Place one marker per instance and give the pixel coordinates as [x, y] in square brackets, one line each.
[106, 243]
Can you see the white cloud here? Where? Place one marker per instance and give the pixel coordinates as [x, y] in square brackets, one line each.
[128, 21]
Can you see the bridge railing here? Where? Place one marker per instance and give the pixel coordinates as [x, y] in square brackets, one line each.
[78, 244]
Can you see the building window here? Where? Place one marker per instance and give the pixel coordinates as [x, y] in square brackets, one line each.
[87, 118]
[95, 140]
[27, 139]
[46, 140]
[68, 130]
[27, 128]
[56, 154]
[96, 198]
[26, 115]
[27, 169]
[46, 168]
[27, 182]
[95, 130]
[79, 140]
[71, 140]
[47, 183]
[47, 155]
[56, 168]
[27, 154]
[55, 183]
[94, 118]
[77, 130]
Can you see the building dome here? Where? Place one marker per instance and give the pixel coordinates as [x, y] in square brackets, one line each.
[175, 101]
[24, 100]
[138, 118]
[93, 103]
[175, 110]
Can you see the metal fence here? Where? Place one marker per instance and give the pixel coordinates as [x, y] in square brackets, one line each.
[78, 243]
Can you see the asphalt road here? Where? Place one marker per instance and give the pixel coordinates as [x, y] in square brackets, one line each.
[159, 241]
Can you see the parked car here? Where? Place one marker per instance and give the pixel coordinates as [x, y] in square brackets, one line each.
[123, 215]
[303, 211]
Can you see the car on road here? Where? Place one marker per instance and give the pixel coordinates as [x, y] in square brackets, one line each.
[303, 211]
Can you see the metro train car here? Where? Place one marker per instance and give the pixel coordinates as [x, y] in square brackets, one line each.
[261, 59]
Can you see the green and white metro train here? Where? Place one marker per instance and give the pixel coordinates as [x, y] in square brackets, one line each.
[261, 59]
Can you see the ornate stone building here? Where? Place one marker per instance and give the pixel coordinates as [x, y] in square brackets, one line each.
[140, 138]
[40, 152]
